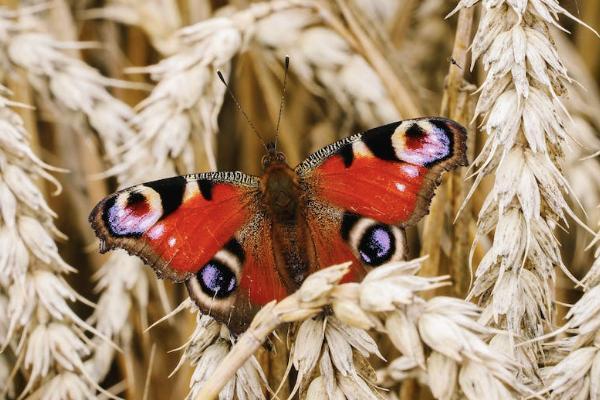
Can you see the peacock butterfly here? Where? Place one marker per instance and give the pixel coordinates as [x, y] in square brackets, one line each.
[240, 241]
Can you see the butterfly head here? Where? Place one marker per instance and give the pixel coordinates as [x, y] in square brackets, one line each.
[273, 156]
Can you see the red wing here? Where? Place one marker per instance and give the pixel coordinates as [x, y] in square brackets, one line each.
[176, 225]
[340, 236]
[388, 173]
[240, 278]
[208, 229]
[330, 247]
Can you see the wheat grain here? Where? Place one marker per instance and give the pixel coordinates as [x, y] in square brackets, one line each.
[67, 86]
[323, 59]
[576, 376]
[207, 347]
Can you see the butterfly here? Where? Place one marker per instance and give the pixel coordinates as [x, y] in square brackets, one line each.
[241, 241]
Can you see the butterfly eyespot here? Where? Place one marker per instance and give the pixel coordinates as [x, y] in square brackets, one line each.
[377, 245]
[131, 213]
[217, 280]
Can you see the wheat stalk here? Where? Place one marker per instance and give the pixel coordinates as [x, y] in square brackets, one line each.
[439, 335]
[70, 89]
[42, 332]
[524, 120]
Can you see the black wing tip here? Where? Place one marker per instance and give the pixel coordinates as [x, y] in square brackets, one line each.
[460, 140]
[109, 242]
[458, 158]
[459, 135]
[98, 225]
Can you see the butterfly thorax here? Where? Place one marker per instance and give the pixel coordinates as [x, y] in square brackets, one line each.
[282, 199]
[280, 190]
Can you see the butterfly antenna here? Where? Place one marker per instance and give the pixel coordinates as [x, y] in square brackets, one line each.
[237, 103]
[282, 104]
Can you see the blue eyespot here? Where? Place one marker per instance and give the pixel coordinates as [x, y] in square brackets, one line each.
[217, 280]
[377, 245]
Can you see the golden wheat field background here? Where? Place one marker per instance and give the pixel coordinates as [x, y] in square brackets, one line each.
[500, 297]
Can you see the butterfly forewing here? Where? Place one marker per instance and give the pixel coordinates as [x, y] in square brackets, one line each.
[176, 224]
[388, 173]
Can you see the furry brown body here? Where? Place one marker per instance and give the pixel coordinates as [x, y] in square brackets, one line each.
[292, 246]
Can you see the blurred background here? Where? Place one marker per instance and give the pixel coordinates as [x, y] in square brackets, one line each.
[118, 99]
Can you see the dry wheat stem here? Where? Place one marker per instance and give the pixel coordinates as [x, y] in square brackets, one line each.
[524, 118]
[386, 300]
[455, 105]
[39, 326]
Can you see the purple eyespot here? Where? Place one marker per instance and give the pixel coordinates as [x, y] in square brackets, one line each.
[217, 280]
[131, 219]
[377, 245]
[426, 148]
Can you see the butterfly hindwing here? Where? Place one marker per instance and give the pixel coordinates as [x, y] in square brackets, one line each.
[388, 173]
[340, 236]
[245, 267]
